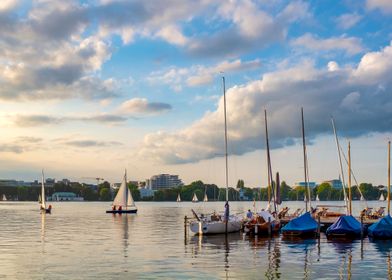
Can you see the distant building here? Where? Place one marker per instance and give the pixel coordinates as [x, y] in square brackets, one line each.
[66, 196]
[303, 184]
[335, 183]
[163, 181]
[144, 192]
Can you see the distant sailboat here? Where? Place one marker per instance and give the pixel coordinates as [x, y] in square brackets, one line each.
[4, 198]
[362, 198]
[178, 198]
[43, 199]
[317, 198]
[123, 200]
[194, 198]
[382, 198]
[205, 199]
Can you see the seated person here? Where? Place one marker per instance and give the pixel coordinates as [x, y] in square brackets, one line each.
[249, 214]
[114, 208]
[120, 208]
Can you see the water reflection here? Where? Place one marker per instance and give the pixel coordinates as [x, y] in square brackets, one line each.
[385, 247]
[122, 224]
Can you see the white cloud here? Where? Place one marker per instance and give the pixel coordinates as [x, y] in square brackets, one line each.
[350, 45]
[321, 92]
[346, 21]
[385, 6]
[198, 75]
[142, 107]
[6, 5]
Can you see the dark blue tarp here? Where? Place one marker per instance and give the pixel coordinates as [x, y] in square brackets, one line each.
[345, 225]
[303, 223]
[381, 229]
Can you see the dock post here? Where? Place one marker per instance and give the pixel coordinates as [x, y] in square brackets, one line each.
[185, 225]
[269, 227]
[319, 225]
[361, 226]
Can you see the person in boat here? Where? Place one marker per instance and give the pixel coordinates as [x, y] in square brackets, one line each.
[114, 208]
[120, 208]
[215, 217]
[227, 211]
[249, 214]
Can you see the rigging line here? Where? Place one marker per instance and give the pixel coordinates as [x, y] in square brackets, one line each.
[352, 173]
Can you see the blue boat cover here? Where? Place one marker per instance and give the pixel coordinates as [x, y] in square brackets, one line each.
[345, 225]
[303, 223]
[381, 229]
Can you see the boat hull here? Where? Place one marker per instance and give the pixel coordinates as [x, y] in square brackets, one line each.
[217, 227]
[131, 211]
[262, 229]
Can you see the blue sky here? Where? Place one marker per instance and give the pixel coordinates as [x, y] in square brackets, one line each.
[89, 88]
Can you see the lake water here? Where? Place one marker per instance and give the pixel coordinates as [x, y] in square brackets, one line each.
[80, 241]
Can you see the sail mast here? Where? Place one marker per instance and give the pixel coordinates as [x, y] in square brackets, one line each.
[305, 162]
[126, 189]
[226, 160]
[43, 204]
[389, 177]
[271, 193]
[340, 161]
[349, 179]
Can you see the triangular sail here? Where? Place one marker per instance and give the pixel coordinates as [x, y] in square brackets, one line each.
[382, 198]
[194, 198]
[205, 199]
[121, 197]
[178, 198]
[130, 202]
[317, 198]
[43, 199]
[4, 197]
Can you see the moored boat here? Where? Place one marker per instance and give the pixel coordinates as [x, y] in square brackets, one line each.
[263, 223]
[43, 198]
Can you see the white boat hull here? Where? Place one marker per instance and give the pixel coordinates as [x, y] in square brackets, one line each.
[218, 227]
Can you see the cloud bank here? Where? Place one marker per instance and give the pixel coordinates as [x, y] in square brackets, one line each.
[358, 97]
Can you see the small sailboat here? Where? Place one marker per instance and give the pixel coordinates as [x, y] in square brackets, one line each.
[43, 199]
[382, 198]
[178, 198]
[303, 225]
[362, 198]
[346, 226]
[205, 199]
[317, 198]
[123, 200]
[383, 228]
[217, 224]
[194, 198]
[4, 198]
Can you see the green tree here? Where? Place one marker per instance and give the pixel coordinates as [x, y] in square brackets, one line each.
[105, 195]
[324, 191]
[240, 184]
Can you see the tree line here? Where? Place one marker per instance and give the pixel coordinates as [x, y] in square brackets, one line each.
[103, 192]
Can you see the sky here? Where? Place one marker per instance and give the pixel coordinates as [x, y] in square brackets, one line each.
[92, 87]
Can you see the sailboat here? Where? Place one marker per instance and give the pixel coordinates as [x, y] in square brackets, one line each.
[4, 198]
[303, 225]
[264, 222]
[382, 198]
[317, 198]
[205, 199]
[194, 198]
[383, 228]
[123, 200]
[216, 224]
[43, 199]
[346, 226]
[178, 198]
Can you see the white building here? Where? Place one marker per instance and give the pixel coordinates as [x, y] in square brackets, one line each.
[163, 181]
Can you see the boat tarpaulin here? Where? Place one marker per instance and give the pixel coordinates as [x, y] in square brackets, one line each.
[346, 224]
[303, 223]
[382, 228]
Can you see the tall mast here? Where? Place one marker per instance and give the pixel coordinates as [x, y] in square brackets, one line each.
[349, 179]
[340, 161]
[271, 192]
[305, 162]
[389, 177]
[126, 189]
[226, 160]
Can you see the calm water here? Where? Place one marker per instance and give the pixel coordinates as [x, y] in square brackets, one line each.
[80, 241]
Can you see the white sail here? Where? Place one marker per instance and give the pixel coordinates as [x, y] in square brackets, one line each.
[43, 199]
[4, 197]
[317, 198]
[178, 198]
[194, 198]
[130, 202]
[122, 196]
[205, 199]
[362, 198]
[382, 198]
